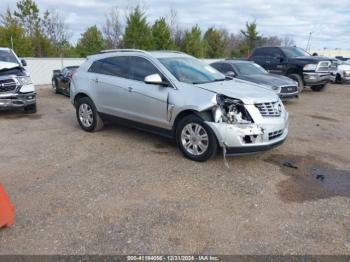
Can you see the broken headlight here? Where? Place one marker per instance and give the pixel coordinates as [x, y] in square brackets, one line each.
[24, 80]
[231, 111]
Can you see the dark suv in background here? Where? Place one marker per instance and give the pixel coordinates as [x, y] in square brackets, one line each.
[297, 64]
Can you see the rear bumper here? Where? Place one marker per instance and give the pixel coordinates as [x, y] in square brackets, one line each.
[313, 79]
[17, 100]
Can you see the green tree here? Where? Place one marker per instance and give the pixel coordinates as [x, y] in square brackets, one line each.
[161, 35]
[193, 43]
[12, 33]
[137, 32]
[251, 36]
[28, 14]
[215, 43]
[91, 42]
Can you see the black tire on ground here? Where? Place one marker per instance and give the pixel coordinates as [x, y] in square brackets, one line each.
[338, 79]
[96, 121]
[55, 86]
[318, 88]
[211, 143]
[297, 78]
[31, 109]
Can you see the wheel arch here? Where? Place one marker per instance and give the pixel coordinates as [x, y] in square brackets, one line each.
[294, 70]
[204, 115]
[78, 96]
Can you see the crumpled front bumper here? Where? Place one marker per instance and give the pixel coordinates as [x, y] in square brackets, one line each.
[312, 78]
[260, 136]
[17, 100]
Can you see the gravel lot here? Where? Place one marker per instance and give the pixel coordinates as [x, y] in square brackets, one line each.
[123, 191]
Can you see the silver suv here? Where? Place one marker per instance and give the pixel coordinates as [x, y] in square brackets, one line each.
[179, 96]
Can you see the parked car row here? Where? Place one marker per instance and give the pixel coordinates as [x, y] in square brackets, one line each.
[231, 104]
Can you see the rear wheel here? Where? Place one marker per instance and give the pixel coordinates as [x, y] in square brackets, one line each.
[87, 115]
[55, 86]
[195, 139]
[297, 78]
[318, 88]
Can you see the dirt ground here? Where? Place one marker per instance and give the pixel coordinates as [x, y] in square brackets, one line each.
[123, 191]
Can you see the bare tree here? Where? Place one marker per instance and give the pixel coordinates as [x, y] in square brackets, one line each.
[112, 30]
[270, 41]
[288, 40]
[177, 33]
[55, 28]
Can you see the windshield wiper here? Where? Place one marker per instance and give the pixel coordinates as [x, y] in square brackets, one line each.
[221, 79]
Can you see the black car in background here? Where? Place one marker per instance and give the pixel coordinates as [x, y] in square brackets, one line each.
[297, 64]
[285, 87]
[61, 79]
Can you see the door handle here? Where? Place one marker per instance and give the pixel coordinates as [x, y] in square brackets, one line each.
[96, 80]
[129, 89]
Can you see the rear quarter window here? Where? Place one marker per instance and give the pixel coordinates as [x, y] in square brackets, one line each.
[114, 66]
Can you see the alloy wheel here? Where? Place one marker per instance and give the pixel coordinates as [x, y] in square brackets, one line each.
[86, 115]
[194, 139]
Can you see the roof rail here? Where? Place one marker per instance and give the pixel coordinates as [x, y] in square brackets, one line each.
[121, 50]
[168, 51]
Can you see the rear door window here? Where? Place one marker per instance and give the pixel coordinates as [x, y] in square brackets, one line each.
[114, 66]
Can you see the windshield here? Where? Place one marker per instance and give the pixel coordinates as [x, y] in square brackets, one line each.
[7, 56]
[191, 70]
[294, 51]
[249, 69]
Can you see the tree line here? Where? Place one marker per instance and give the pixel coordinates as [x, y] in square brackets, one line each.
[46, 34]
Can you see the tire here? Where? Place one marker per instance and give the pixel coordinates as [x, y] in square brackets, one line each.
[297, 78]
[31, 109]
[338, 79]
[317, 88]
[87, 115]
[55, 86]
[194, 151]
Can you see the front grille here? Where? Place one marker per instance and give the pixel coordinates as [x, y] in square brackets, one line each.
[269, 109]
[7, 85]
[289, 89]
[326, 66]
[276, 134]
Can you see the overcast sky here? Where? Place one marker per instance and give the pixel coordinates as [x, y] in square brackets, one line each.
[328, 20]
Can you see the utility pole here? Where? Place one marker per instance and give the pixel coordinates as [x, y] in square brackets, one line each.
[308, 42]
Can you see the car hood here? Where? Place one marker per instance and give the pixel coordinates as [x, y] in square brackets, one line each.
[311, 59]
[7, 65]
[248, 93]
[269, 79]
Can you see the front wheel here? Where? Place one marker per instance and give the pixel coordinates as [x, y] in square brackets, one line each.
[195, 139]
[297, 78]
[87, 115]
[317, 88]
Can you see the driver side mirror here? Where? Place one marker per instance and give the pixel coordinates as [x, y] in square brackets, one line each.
[24, 62]
[155, 79]
[231, 74]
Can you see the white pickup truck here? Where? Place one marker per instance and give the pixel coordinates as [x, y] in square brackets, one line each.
[16, 87]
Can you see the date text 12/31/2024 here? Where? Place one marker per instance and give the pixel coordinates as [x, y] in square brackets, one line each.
[173, 258]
